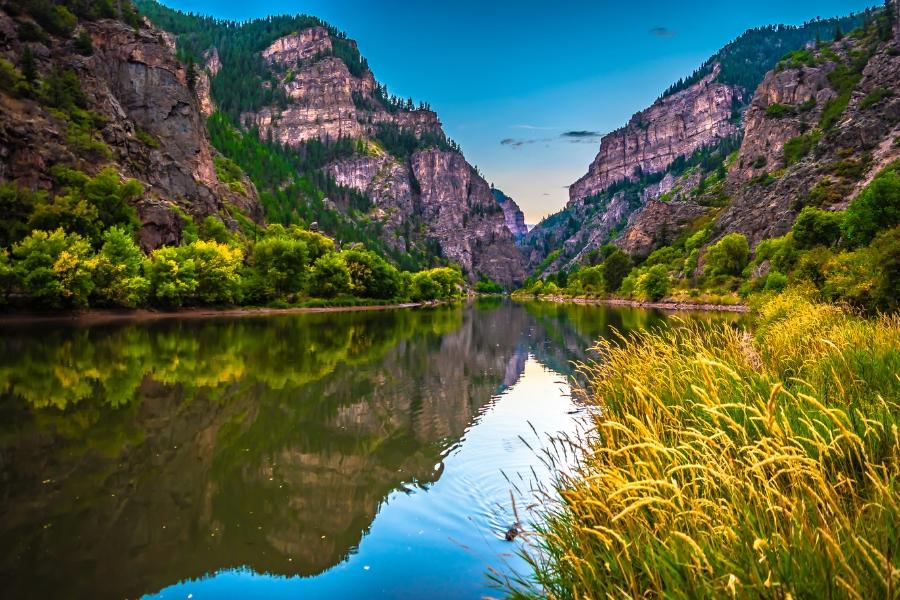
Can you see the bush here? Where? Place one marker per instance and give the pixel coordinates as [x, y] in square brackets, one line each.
[118, 274]
[280, 264]
[329, 277]
[371, 276]
[777, 110]
[54, 268]
[615, 268]
[875, 209]
[728, 256]
[172, 277]
[795, 149]
[487, 286]
[218, 269]
[775, 282]
[815, 227]
[654, 283]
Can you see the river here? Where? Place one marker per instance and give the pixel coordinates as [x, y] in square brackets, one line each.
[339, 455]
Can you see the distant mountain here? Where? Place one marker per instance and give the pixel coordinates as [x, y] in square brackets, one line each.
[367, 166]
[660, 154]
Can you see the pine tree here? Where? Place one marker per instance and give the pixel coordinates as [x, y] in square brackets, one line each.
[838, 34]
[29, 68]
[191, 74]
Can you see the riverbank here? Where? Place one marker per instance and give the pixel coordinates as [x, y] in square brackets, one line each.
[98, 316]
[668, 306]
[727, 463]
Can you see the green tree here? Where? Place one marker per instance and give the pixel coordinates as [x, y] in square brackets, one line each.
[875, 209]
[728, 256]
[118, 275]
[815, 227]
[654, 284]
[370, 275]
[424, 287]
[54, 268]
[16, 205]
[29, 67]
[172, 277]
[281, 264]
[615, 268]
[218, 271]
[329, 277]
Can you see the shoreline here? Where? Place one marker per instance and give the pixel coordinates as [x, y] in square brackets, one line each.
[97, 316]
[668, 306]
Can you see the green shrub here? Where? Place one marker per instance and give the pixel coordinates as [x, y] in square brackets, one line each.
[118, 272]
[615, 269]
[728, 256]
[654, 283]
[795, 149]
[146, 138]
[329, 277]
[815, 227]
[54, 269]
[777, 110]
[775, 282]
[280, 264]
[875, 96]
[876, 208]
[488, 286]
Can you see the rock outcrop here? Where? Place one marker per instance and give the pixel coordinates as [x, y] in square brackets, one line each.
[824, 168]
[433, 196]
[675, 125]
[152, 127]
[515, 218]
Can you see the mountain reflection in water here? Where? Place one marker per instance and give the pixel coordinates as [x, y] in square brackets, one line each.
[137, 456]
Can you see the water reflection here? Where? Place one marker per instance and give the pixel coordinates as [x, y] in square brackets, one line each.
[137, 456]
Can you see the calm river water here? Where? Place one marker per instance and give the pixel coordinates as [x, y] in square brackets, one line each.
[342, 455]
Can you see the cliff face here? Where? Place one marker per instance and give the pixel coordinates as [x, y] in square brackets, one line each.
[137, 87]
[515, 218]
[673, 126]
[433, 196]
[826, 163]
[325, 100]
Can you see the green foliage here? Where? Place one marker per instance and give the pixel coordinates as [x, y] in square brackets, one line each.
[815, 227]
[487, 286]
[54, 269]
[213, 229]
[615, 269]
[173, 278]
[10, 78]
[28, 65]
[875, 209]
[279, 263]
[371, 276]
[728, 256]
[329, 277]
[146, 138]
[230, 174]
[16, 205]
[654, 283]
[118, 274]
[776, 110]
[747, 59]
[83, 44]
[844, 80]
[55, 18]
[875, 96]
[775, 282]
[795, 149]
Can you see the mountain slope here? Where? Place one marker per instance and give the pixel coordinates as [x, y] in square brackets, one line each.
[115, 96]
[697, 118]
[377, 166]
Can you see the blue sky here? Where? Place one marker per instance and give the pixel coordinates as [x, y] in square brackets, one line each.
[530, 71]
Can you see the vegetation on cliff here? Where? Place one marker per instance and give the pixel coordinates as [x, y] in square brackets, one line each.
[731, 465]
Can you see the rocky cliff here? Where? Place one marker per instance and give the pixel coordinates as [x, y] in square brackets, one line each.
[673, 126]
[515, 218]
[148, 125]
[820, 127]
[426, 198]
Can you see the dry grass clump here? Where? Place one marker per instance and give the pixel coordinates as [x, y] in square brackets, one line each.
[729, 466]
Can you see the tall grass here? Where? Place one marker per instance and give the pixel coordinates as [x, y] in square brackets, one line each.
[731, 465]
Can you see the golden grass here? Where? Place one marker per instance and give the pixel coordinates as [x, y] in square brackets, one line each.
[725, 465]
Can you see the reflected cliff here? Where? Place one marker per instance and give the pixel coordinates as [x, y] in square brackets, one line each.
[136, 456]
